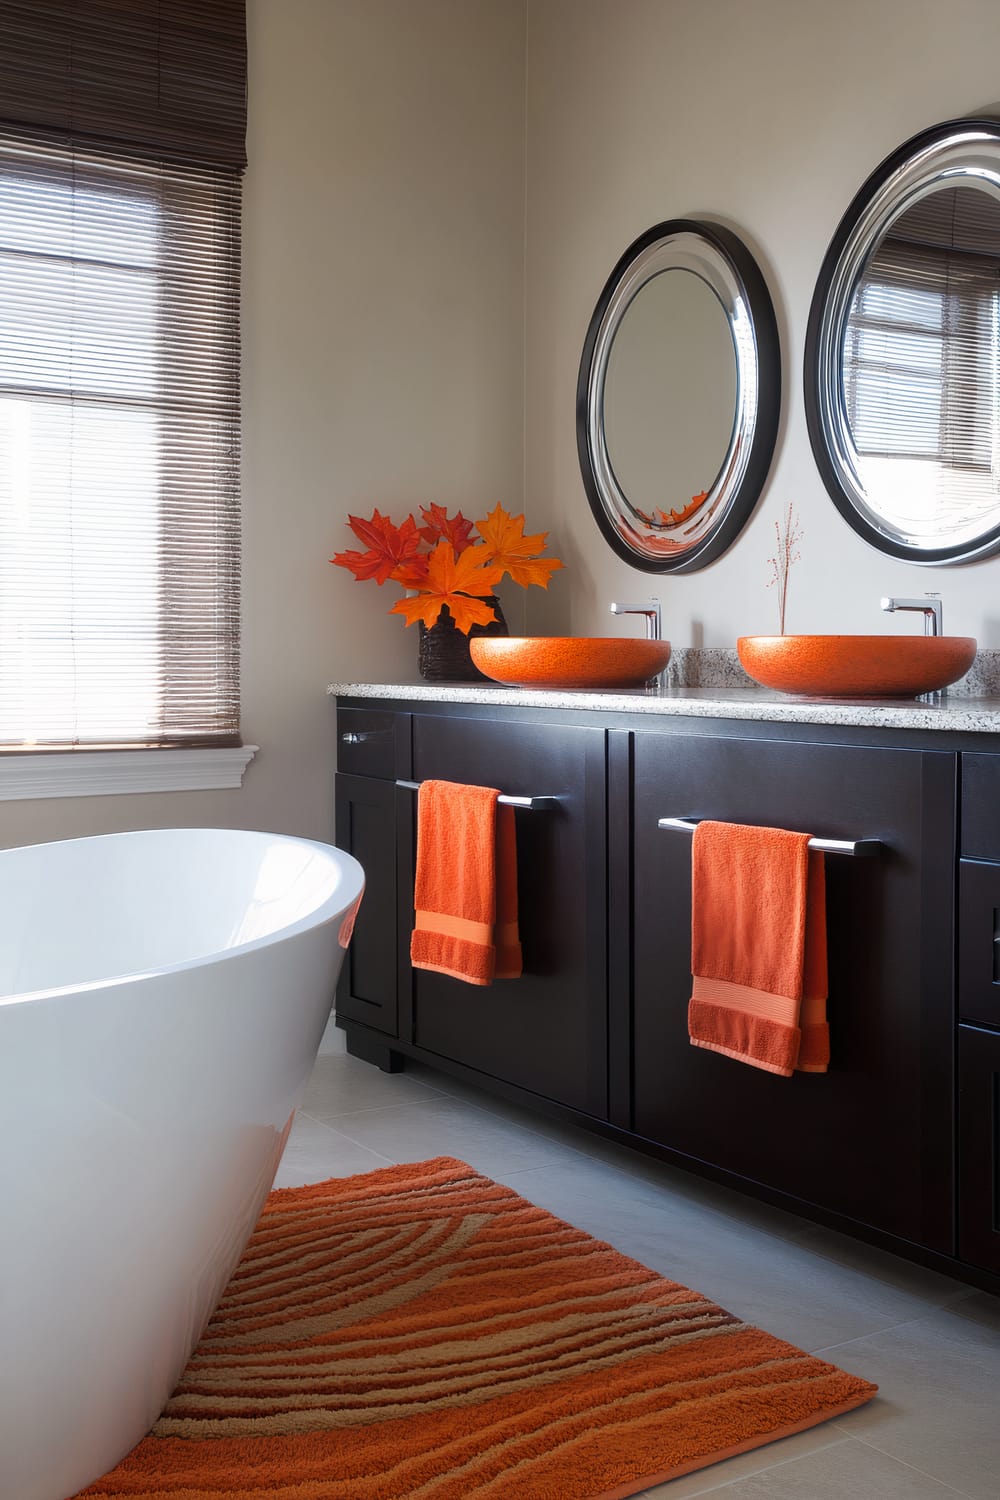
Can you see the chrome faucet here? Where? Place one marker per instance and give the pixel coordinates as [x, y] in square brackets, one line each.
[930, 607]
[651, 611]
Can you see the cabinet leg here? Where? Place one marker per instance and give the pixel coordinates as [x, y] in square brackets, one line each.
[364, 1046]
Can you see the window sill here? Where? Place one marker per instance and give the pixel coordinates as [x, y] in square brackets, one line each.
[105, 773]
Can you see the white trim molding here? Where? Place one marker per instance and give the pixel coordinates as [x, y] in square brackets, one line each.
[105, 773]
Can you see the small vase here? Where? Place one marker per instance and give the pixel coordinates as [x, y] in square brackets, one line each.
[444, 649]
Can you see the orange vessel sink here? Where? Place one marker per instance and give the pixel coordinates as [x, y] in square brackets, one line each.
[856, 666]
[567, 661]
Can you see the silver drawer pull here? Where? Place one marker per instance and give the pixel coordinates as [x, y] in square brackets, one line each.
[529, 802]
[859, 848]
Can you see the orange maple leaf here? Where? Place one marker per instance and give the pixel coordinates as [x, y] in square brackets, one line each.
[449, 579]
[412, 574]
[440, 526]
[513, 552]
[389, 546]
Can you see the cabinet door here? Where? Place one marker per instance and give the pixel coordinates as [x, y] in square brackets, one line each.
[872, 1138]
[979, 942]
[366, 828]
[979, 1147]
[979, 892]
[545, 1031]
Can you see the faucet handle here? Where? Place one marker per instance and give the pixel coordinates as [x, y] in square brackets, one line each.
[651, 611]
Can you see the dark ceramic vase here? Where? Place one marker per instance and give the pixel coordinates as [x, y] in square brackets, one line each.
[444, 649]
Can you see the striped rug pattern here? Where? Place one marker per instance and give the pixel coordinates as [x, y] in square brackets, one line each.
[421, 1331]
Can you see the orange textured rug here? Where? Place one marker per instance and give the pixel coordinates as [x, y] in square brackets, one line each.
[421, 1331]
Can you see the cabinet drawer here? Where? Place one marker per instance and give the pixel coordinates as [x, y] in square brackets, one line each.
[979, 1147]
[981, 806]
[366, 742]
[979, 942]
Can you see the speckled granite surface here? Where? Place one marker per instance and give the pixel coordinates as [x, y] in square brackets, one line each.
[708, 666]
[965, 713]
[710, 683]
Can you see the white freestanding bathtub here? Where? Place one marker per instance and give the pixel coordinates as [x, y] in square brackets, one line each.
[162, 998]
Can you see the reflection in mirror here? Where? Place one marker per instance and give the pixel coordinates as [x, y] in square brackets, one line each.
[678, 396]
[921, 354]
[904, 349]
[670, 392]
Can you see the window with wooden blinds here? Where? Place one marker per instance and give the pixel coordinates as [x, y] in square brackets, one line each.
[119, 377]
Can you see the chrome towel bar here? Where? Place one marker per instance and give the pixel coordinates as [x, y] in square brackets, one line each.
[529, 802]
[859, 848]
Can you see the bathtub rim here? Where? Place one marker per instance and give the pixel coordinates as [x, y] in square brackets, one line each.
[343, 900]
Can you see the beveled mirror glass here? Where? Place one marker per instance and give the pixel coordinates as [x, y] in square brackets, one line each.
[678, 396]
[902, 372]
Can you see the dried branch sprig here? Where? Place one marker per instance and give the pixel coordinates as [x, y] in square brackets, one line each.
[787, 540]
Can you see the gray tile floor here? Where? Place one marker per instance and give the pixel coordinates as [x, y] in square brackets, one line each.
[931, 1343]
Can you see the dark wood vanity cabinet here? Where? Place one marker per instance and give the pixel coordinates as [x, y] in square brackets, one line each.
[596, 1028]
[872, 1138]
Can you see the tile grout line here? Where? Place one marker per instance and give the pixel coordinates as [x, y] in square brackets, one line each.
[874, 1333]
[904, 1463]
[304, 1114]
[370, 1109]
[782, 1463]
[508, 1124]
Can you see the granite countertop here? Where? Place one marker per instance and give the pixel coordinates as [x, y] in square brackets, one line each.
[959, 711]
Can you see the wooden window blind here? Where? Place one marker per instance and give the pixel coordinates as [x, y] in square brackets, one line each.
[121, 149]
[158, 78]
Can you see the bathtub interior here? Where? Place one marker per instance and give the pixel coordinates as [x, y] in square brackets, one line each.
[92, 909]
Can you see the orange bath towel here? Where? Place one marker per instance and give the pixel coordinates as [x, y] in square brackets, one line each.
[758, 948]
[465, 893]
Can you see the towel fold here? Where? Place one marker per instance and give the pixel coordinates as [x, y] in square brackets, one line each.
[758, 948]
[465, 891]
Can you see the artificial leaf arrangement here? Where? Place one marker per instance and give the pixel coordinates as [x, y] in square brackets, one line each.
[448, 561]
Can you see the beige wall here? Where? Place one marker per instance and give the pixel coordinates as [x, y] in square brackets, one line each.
[383, 358]
[767, 115]
[409, 335]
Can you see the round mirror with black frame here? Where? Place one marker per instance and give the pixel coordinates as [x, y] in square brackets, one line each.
[678, 396]
[902, 361]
